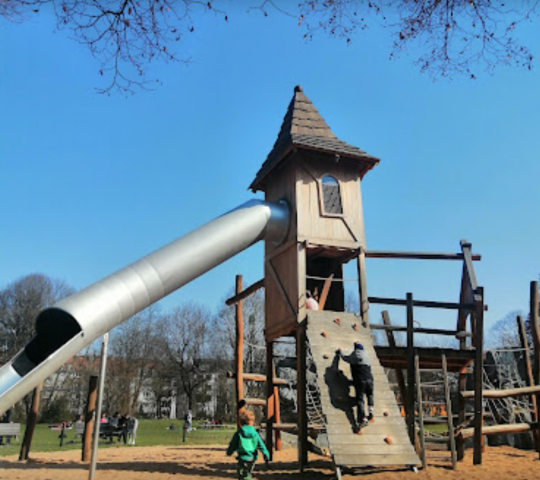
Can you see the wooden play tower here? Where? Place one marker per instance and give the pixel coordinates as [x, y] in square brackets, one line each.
[319, 176]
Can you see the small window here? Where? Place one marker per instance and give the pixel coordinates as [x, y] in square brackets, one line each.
[331, 196]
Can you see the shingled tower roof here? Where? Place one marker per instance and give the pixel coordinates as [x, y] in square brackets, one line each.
[303, 127]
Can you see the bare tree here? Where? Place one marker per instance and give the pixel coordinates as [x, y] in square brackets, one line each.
[129, 365]
[452, 36]
[187, 332]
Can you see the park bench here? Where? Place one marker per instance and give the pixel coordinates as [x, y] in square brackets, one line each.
[10, 430]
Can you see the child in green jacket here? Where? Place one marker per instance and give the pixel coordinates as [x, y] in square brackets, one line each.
[246, 442]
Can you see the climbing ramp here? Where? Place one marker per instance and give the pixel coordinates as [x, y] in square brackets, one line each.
[385, 441]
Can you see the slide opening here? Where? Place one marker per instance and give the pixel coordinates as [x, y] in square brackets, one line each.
[54, 328]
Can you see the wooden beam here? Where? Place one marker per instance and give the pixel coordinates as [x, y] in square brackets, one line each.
[530, 379]
[504, 393]
[462, 416]
[301, 339]
[419, 255]
[399, 373]
[246, 293]
[449, 413]
[500, 429]
[270, 401]
[89, 418]
[325, 290]
[239, 350]
[410, 368]
[362, 286]
[478, 373]
[535, 330]
[420, 410]
[277, 413]
[467, 259]
[430, 331]
[256, 402]
[31, 423]
[422, 303]
[256, 377]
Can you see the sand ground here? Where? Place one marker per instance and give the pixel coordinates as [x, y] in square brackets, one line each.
[210, 462]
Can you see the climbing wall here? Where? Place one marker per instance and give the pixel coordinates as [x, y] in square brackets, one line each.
[385, 441]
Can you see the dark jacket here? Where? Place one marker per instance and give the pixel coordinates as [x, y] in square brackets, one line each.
[246, 442]
[360, 365]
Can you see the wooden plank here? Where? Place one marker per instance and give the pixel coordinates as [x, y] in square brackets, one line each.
[418, 255]
[373, 439]
[375, 460]
[280, 287]
[422, 303]
[371, 429]
[246, 293]
[347, 449]
[379, 421]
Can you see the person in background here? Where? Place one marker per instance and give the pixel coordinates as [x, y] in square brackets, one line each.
[132, 426]
[6, 418]
[311, 303]
[247, 442]
[363, 382]
[189, 421]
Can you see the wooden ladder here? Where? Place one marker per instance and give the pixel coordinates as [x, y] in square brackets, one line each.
[448, 420]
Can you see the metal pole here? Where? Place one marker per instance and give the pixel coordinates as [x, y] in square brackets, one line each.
[97, 423]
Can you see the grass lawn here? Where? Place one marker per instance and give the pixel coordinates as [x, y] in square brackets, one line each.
[150, 432]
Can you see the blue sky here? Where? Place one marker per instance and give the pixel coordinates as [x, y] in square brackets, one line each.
[91, 183]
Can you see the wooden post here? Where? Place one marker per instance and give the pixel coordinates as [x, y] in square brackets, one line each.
[277, 413]
[301, 393]
[239, 352]
[420, 411]
[362, 286]
[451, 434]
[31, 423]
[478, 376]
[530, 379]
[535, 330]
[89, 418]
[410, 368]
[101, 389]
[270, 400]
[399, 373]
[460, 443]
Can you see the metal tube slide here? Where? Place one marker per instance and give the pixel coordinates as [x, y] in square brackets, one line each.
[71, 324]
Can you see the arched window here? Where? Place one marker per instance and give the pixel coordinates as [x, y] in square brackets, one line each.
[331, 196]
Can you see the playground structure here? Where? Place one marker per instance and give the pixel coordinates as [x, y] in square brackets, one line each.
[312, 225]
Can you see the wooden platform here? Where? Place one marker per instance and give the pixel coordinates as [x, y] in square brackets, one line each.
[370, 448]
